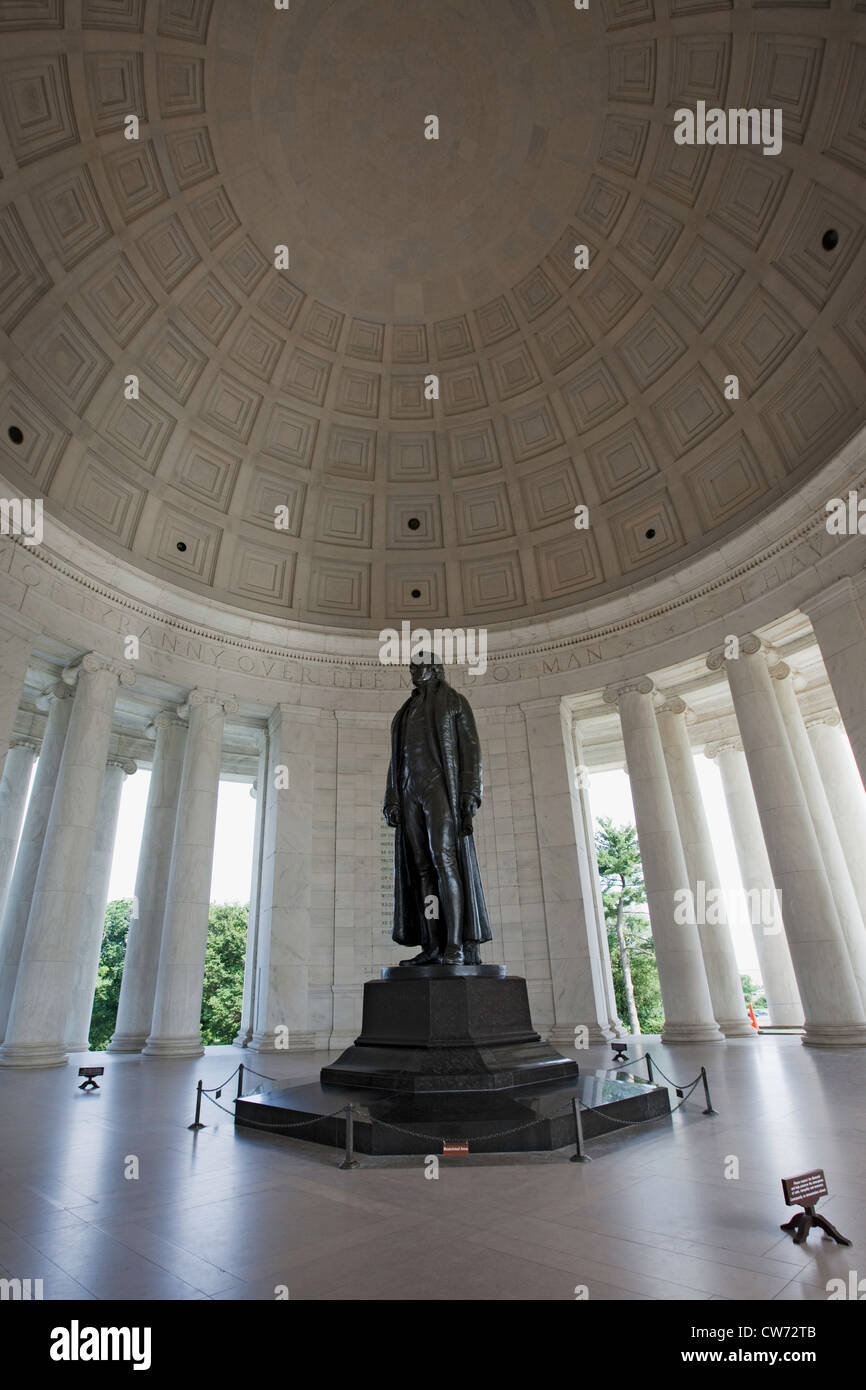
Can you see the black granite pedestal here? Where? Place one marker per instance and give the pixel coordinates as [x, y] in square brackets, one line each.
[441, 1028]
[524, 1119]
[449, 1054]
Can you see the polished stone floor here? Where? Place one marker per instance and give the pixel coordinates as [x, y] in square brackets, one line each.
[225, 1215]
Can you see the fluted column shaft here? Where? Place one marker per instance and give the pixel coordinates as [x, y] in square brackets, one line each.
[845, 794]
[834, 1013]
[577, 983]
[95, 902]
[771, 944]
[281, 1017]
[720, 962]
[176, 1027]
[16, 643]
[841, 886]
[141, 962]
[14, 785]
[685, 993]
[36, 1032]
[838, 618]
[587, 825]
[257, 790]
[13, 925]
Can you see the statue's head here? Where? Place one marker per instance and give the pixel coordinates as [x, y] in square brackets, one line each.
[426, 667]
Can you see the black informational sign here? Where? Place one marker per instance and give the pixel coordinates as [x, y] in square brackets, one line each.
[804, 1190]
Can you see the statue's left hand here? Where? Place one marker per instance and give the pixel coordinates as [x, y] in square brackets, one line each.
[468, 807]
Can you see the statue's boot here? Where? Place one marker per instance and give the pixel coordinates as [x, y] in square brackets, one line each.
[453, 947]
[430, 957]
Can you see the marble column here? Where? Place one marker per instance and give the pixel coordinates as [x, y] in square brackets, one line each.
[282, 1021]
[14, 786]
[682, 976]
[245, 1031]
[141, 962]
[176, 1026]
[845, 794]
[834, 1012]
[576, 974]
[36, 1031]
[95, 902]
[57, 700]
[587, 824]
[838, 618]
[835, 863]
[16, 642]
[765, 919]
[720, 962]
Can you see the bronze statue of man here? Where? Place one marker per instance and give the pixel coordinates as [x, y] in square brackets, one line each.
[433, 791]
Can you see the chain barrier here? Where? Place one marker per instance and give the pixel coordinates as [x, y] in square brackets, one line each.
[684, 1091]
[676, 1085]
[437, 1138]
[300, 1125]
[252, 1071]
[648, 1057]
[648, 1119]
[629, 1062]
[207, 1089]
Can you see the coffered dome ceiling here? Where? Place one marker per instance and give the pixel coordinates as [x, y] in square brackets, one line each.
[303, 388]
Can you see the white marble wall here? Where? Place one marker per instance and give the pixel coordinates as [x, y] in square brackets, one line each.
[351, 900]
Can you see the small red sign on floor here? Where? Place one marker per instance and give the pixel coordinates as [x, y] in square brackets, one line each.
[462, 1148]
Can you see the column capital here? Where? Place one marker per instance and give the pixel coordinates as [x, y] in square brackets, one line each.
[164, 720]
[33, 744]
[91, 662]
[197, 698]
[723, 745]
[748, 645]
[60, 690]
[673, 704]
[128, 765]
[781, 671]
[639, 685]
[832, 719]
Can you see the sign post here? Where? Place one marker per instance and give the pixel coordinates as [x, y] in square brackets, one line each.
[803, 1191]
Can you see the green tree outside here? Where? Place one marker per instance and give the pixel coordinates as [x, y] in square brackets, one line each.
[632, 952]
[111, 956]
[223, 973]
[752, 993]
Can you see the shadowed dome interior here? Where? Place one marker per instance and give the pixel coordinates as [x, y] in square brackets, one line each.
[303, 389]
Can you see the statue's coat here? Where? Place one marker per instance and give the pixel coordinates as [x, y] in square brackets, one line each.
[456, 751]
